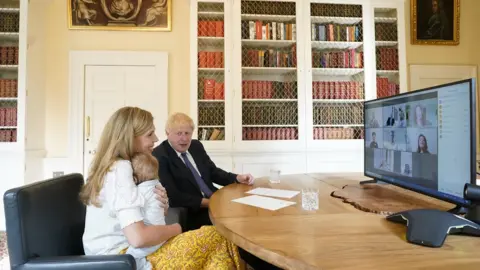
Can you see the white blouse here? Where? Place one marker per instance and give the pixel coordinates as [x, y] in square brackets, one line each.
[121, 205]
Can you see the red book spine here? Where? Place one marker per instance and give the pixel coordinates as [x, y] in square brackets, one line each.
[219, 29]
[254, 89]
[218, 59]
[269, 89]
[202, 59]
[211, 28]
[211, 59]
[202, 28]
[2, 117]
[321, 90]
[209, 89]
[3, 88]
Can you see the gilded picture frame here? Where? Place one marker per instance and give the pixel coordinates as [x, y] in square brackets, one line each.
[435, 22]
[120, 15]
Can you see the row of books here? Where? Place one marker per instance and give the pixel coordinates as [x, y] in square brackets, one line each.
[269, 89]
[337, 133]
[338, 114]
[261, 30]
[337, 59]
[336, 10]
[8, 116]
[337, 90]
[336, 32]
[8, 135]
[261, 113]
[386, 32]
[211, 114]
[387, 58]
[270, 58]
[269, 133]
[9, 22]
[211, 134]
[210, 28]
[8, 55]
[8, 88]
[207, 59]
[212, 89]
[386, 88]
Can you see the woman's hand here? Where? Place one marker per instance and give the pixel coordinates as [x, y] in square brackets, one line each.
[162, 197]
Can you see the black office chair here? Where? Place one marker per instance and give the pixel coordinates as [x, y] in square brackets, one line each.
[45, 224]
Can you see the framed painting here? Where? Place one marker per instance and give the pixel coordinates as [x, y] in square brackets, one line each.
[435, 22]
[137, 15]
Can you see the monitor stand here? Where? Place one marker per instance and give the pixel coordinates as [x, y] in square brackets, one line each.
[373, 181]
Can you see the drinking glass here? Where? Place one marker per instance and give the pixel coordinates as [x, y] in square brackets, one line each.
[275, 176]
[310, 199]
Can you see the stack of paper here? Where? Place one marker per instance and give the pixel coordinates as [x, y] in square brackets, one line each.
[266, 202]
[281, 193]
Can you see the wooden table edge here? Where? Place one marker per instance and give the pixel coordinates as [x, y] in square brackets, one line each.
[282, 260]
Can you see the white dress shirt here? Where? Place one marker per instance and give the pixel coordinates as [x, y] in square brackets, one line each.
[190, 158]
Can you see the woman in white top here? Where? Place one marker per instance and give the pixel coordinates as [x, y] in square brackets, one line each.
[114, 219]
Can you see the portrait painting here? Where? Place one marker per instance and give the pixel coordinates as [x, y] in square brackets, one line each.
[435, 22]
[141, 15]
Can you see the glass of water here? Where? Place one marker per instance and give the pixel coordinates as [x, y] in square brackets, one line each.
[274, 176]
[310, 199]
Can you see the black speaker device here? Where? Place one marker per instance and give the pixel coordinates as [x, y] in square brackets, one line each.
[430, 227]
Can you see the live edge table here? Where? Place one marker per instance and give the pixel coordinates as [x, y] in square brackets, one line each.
[336, 236]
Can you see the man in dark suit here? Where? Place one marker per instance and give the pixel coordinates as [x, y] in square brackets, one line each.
[187, 173]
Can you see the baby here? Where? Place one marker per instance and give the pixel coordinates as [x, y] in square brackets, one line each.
[145, 175]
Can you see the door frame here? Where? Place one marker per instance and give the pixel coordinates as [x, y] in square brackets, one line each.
[78, 61]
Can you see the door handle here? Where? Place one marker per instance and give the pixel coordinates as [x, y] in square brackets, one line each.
[87, 128]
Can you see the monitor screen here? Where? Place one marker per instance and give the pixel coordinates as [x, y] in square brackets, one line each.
[424, 140]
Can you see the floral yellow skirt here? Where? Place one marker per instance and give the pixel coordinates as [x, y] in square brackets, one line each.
[204, 248]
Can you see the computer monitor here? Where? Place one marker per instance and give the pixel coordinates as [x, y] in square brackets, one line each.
[424, 140]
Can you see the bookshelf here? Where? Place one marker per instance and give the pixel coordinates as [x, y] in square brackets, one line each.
[13, 47]
[9, 70]
[211, 75]
[267, 99]
[386, 52]
[338, 77]
[295, 77]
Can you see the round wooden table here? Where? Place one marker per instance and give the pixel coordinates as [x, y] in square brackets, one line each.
[337, 236]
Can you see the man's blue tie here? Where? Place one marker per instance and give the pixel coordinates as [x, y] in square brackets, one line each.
[203, 187]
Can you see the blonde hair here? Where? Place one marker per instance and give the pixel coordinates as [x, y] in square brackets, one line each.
[178, 119]
[145, 167]
[116, 143]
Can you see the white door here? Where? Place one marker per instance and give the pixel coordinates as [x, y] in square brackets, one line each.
[423, 76]
[108, 88]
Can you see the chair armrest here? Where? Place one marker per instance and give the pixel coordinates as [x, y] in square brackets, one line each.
[177, 215]
[101, 262]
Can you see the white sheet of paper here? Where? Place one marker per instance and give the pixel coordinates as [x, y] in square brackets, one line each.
[282, 193]
[264, 202]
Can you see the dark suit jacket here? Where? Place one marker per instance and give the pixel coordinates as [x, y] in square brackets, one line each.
[178, 180]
